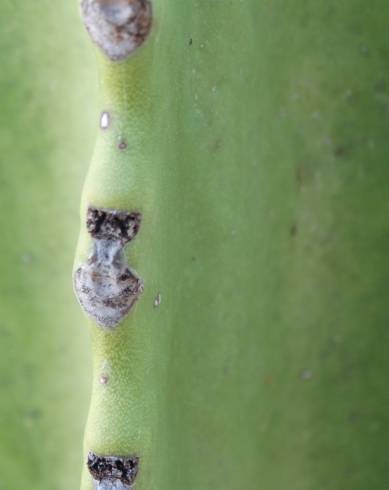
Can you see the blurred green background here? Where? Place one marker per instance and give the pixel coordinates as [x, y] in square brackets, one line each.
[47, 126]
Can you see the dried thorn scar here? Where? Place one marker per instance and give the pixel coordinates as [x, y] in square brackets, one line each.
[118, 27]
[113, 472]
[105, 286]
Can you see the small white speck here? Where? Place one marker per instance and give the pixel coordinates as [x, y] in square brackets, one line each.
[157, 300]
[104, 379]
[306, 375]
[104, 120]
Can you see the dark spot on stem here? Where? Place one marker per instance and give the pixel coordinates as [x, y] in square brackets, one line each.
[108, 471]
[122, 144]
[216, 145]
[293, 230]
[303, 174]
[340, 151]
[108, 224]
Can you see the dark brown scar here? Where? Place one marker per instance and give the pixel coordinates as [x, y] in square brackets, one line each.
[113, 468]
[108, 224]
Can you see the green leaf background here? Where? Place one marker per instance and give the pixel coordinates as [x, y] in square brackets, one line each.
[48, 121]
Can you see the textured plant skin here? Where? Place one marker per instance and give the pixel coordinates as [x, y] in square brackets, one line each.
[256, 151]
[46, 136]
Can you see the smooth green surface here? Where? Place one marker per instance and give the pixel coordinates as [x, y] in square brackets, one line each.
[47, 127]
[258, 154]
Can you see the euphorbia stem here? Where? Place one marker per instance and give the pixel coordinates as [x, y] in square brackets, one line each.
[235, 220]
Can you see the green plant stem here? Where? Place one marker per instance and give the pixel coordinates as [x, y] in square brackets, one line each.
[256, 154]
